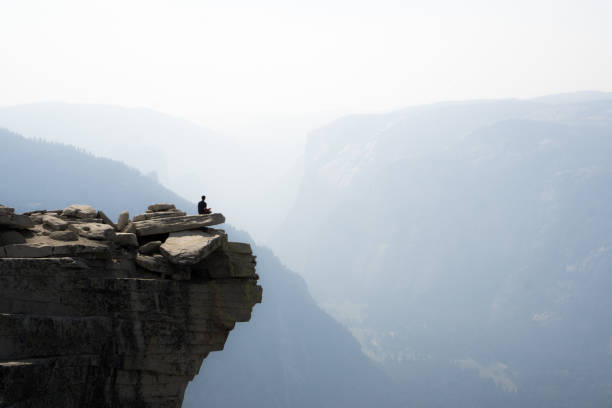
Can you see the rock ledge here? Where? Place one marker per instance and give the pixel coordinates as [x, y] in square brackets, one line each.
[98, 314]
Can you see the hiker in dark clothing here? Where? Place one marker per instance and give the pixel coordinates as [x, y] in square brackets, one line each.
[202, 209]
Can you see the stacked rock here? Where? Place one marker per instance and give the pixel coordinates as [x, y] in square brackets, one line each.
[173, 244]
[100, 314]
[159, 211]
[165, 218]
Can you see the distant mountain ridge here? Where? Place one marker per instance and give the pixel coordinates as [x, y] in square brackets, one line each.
[575, 97]
[54, 169]
[467, 245]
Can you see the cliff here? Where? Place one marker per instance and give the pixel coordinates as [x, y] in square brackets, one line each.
[102, 314]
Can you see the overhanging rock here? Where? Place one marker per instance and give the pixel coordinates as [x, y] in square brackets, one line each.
[166, 225]
[88, 320]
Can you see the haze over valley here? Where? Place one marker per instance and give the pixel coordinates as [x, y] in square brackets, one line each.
[426, 187]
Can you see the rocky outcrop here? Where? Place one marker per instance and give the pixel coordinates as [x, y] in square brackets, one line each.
[93, 315]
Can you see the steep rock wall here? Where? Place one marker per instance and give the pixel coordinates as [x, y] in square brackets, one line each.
[99, 314]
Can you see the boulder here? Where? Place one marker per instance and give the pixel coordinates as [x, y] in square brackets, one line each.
[150, 248]
[80, 211]
[190, 247]
[161, 207]
[106, 220]
[154, 263]
[37, 218]
[54, 223]
[11, 237]
[176, 224]
[92, 230]
[130, 228]
[6, 210]
[15, 221]
[126, 239]
[67, 235]
[160, 214]
[123, 221]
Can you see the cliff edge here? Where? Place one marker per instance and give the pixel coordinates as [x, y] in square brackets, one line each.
[101, 314]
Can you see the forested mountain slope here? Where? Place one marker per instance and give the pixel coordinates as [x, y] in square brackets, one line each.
[39, 174]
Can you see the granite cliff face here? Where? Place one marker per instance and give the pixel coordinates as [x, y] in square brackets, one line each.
[99, 314]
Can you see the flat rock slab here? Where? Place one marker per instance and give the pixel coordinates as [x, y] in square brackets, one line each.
[161, 207]
[190, 247]
[43, 250]
[176, 224]
[16, 221]
[92, 230]
[159, 214]
[80, 211]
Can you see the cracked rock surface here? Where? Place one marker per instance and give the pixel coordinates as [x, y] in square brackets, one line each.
[98, 314]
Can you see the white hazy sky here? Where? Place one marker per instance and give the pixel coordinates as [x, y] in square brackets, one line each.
[229, 63]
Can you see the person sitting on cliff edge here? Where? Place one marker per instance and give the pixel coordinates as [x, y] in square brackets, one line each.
[202, 209]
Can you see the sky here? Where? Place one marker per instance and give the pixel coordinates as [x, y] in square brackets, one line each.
[273, 69]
